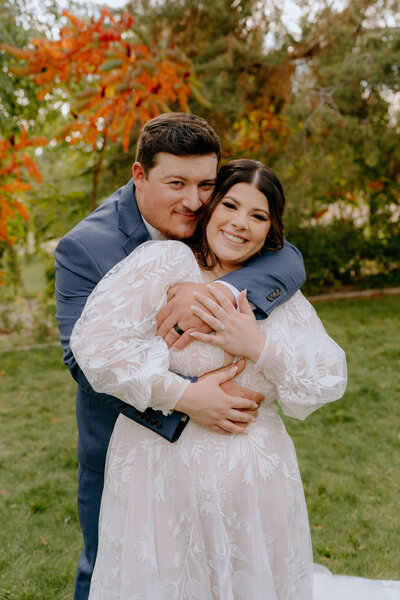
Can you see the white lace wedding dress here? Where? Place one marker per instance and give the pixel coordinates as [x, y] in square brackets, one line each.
[210, 517]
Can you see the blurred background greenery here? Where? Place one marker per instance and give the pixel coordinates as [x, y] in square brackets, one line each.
[318, 102]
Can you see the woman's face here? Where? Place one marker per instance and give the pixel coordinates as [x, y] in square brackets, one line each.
[238, 226]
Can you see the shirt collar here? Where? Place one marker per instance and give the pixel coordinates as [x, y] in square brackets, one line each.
[154, 233]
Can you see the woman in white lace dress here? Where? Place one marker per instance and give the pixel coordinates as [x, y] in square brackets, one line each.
[210, 517]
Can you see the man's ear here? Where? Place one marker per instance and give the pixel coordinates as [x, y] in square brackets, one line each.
[138, 175]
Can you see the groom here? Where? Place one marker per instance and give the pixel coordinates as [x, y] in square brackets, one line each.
[173, 176]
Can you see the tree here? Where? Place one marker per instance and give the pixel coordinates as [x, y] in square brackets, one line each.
[19, 111]
[225, 41]
[316, 106]
[13, 162]
[341, 113]
[124, 79]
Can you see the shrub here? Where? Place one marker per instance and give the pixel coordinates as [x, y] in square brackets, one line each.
[341, 254]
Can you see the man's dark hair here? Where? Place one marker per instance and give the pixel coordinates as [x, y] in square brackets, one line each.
[181, 134]
[257, 175]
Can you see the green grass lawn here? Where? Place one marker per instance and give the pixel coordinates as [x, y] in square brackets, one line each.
[40, 539]
[349, 451]
[349, 454]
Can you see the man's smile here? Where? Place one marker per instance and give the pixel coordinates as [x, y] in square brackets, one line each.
[188, 215]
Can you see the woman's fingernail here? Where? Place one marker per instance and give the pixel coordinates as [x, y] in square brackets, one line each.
[233, 370]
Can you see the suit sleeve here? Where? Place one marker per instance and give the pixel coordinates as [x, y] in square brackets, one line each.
[270, 278]
[77, 274]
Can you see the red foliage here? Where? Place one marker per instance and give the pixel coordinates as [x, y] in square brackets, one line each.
[261, 133]
[375, 186]
[128, 81]
[14, 164]
[320, 214]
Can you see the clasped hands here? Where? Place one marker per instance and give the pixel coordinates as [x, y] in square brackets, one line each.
[208, 313]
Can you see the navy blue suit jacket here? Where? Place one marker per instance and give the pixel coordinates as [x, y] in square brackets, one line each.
[83, 257]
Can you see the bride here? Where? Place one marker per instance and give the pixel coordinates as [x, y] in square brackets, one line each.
[212, 516]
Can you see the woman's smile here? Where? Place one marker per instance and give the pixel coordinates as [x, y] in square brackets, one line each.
[238, 226]
[233, 238]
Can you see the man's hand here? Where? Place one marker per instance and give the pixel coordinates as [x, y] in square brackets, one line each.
[233, 389]
[210, 405]
[178, 311]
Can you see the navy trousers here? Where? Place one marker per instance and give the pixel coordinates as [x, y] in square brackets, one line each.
[90, 488]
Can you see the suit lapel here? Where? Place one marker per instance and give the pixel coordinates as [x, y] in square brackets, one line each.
[130, 221]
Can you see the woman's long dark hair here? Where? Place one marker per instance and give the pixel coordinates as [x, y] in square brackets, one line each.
[263, 179]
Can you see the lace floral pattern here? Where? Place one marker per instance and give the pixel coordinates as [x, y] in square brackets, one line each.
[210, 517]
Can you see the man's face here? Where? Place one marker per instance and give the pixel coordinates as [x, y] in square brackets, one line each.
[174, 190]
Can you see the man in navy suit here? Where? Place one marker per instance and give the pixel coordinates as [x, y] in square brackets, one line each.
[173, 175]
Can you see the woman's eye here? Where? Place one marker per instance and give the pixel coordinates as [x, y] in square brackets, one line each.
[260, 218]
[228, 204]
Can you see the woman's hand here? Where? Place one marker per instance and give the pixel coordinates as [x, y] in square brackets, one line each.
[235, 332]
[177, 312]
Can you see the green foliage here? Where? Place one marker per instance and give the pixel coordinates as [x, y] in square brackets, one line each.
[316, 106]
[224, 39]
[17, 94]
[330, 253]
[27, 300]
[18, 101]
[62, 199]
[340, 254]
[12, 271]
[343, 140]
[329, 91]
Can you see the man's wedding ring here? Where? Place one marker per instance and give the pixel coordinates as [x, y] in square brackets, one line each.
[178, 330]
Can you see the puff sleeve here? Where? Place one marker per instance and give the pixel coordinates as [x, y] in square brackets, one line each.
[115, 341]
[307, 367]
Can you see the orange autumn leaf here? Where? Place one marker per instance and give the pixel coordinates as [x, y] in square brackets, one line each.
[126, 81]
[22, 211]
[37, 141]
[32, 169]
[16, 168]
[376, 186]
[124, 77]
[260, 132]
[15, 186]
[320, 214]
[15, 52]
